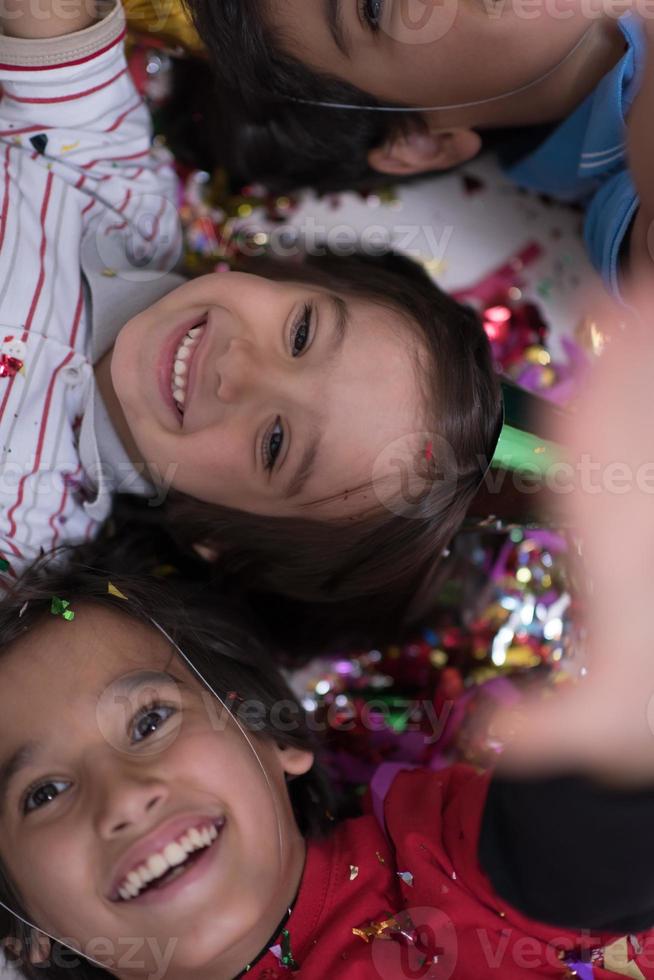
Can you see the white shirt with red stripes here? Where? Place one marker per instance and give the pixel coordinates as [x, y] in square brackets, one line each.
[88, 234]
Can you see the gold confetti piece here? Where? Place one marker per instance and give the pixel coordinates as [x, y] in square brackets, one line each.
[354, 872]
[109, 273]
[616, 958]
[380, 858]
[112, 590]
[69, 146]
[376, 930]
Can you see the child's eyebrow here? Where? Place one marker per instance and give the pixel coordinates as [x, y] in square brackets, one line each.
[334, 17]
[308, 459]
[20, 759]
[24, 756]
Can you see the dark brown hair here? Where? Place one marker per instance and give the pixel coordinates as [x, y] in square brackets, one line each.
[219, 641]
[324, 583]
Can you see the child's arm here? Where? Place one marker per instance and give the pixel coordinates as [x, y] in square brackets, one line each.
[81, 192]
[21, 18]
[603, 725]
[571, 853]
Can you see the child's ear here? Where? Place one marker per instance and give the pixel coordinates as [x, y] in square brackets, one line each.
[295, 762]
[421, 151]
[40, 947]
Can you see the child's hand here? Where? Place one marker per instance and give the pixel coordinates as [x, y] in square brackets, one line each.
[604, 724]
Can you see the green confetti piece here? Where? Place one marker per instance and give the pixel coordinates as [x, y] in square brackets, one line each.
[4, 565]
[286, 958]
[61, 607]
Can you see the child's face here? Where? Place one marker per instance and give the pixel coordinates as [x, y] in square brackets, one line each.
[428, 53]
[115, 775]
[285, 395]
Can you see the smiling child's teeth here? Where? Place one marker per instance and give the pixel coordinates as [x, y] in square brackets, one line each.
[180, 364]
[172, 855]
[157, 865]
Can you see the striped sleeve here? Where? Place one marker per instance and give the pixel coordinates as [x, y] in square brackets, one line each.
[76, 170]
[70, 104]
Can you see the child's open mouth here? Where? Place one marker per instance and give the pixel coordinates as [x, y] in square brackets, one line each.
[165, 867]
[182, 360]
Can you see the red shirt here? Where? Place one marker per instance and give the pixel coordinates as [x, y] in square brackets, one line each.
[427, 869]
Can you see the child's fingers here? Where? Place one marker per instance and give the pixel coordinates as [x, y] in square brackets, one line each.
[603, 728]
[543, 738]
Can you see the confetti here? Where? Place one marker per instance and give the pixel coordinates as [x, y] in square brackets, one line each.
[406, 877]
[23, 610]
[4, 565]
[12, 357]
[39, 142]
[380, 858]
[354, 872]
[284, 953]
[61, 607]
[376, 930]
[112, 590]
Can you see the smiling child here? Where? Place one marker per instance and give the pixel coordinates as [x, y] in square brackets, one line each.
[163, 817]
[294, 419]
[314, 76]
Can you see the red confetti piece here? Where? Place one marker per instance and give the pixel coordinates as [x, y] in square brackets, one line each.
[9, 366]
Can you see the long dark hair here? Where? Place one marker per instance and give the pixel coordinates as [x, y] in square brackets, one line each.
[219, 641]
[318, 583]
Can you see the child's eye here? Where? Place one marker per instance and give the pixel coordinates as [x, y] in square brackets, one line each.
[148, 719]
[41, 794]
[370, 12]
[301, 331]
[272, 445]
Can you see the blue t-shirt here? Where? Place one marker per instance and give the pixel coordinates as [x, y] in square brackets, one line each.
[585, 158]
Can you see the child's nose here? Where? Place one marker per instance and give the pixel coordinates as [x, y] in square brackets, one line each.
[238, 371]
[130, 800]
